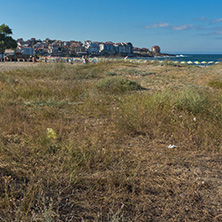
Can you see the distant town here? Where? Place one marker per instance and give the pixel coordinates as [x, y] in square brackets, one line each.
[60, 48]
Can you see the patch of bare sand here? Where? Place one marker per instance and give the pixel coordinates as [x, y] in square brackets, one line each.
[7, 66]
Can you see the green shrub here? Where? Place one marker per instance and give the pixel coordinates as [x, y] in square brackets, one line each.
[117, 85]
[217, 84]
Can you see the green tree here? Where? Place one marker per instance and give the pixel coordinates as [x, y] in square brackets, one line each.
[6, 41]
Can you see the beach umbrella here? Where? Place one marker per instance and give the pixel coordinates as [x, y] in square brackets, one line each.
[211, 62]
[216, 62]
[183, 62]
[197, 63]
[189, 62]
[204, 62]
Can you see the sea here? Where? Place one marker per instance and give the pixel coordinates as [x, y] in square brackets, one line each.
[192, 58]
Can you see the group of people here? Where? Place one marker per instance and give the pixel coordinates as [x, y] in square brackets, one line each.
[85, 60]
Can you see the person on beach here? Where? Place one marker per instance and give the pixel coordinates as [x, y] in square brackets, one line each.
[86, 60]
[83, 60]
[33, 59]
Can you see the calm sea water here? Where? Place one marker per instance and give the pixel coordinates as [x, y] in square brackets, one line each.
[192, 57]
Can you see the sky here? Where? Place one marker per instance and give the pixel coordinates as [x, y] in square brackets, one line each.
[177, 26]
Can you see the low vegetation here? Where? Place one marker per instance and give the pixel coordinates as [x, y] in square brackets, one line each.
[215, 84]
[117, 85]
[85, 143]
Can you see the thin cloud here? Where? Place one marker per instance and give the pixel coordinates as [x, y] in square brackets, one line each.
[216, 20]
[213, 33]
[207, 28]
[158, 25]
[217, 33]
[203, 19]
[217, 28]
[182, 27]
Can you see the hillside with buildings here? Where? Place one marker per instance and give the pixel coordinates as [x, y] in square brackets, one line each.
[73, 48]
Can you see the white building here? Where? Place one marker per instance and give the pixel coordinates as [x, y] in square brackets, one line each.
[124, 48]
[53, 49]
[107, 48]
[92, 47]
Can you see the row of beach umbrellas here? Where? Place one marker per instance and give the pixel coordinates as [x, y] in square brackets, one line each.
[133, 60]
[177, 62]
[199, 63]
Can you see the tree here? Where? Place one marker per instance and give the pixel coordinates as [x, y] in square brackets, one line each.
[6, 41]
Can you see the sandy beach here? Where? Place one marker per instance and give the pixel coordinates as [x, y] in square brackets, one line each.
[7, 66]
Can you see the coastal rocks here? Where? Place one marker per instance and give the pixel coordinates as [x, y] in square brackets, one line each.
[156, 49]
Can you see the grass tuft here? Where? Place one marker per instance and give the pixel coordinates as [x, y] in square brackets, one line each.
[117, 85]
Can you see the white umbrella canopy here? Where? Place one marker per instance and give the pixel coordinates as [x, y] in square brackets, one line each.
[197, 62]
[204, 62]
[211, 62]
[183, 62]
[189, 62]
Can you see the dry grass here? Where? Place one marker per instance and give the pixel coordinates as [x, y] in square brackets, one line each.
[71, 152]
[7, 66]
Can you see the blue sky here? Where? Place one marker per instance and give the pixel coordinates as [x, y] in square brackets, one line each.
[176, 26]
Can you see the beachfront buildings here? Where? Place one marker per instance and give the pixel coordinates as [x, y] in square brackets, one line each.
[124, 48]
[77, 48]
[107, 48]
[25, 49]
[91, 47]
[74, 48]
